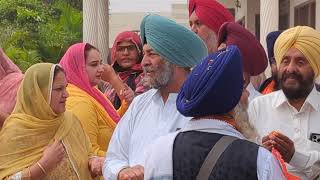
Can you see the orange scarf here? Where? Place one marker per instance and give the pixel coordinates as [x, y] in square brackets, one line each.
[269, 88]
[278, 156]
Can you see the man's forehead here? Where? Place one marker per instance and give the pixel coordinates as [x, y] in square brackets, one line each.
[193, 17]
[147, 47]
[294, 52]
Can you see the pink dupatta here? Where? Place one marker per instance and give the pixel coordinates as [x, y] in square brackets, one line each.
[73, 62]
[10, 79]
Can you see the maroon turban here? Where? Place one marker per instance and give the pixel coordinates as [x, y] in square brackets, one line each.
[254, 58]
[211, 13]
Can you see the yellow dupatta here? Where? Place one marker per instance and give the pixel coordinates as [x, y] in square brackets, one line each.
[33, 125]
[74, 91]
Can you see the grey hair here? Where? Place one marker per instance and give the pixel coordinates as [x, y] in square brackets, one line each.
[242, 120]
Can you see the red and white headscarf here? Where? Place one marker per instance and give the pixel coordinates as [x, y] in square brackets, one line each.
[126, 36]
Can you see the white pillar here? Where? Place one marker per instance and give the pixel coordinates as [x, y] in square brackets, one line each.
[96, 25]
[318, 15]
[269, 21]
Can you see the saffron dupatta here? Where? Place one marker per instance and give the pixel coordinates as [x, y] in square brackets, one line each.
[33, 125]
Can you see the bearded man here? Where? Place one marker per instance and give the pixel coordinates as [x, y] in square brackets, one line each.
[294, 111]
[168, 57]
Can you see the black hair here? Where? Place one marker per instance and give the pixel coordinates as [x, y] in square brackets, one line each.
[57, 69]
[87, 48]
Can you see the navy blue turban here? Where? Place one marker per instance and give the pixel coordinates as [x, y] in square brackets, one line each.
[214, 86]
[271, 39]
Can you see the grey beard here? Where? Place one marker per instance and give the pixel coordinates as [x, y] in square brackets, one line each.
[242, 120]
[162, 79]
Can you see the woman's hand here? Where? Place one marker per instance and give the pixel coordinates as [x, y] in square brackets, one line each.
[52, 155]
[108, 73]
[127, 94]
[95, 166]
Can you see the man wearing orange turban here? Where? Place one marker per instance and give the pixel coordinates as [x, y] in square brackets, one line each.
[293, 111]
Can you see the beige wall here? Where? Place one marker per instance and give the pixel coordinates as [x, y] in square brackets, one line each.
[294, 3]
[253, 8]
[228, 3]
[119, 22]
[318, 15]
[131, 20]
[241, 12]
[179, 13]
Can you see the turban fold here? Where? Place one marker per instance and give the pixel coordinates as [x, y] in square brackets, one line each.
[253, 55]
[214, 86]
[305, 39]
[211, 13]
[172, 41]
[271, 39]
[126, 36]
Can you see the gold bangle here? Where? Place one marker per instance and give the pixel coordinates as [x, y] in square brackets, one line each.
[41, 167]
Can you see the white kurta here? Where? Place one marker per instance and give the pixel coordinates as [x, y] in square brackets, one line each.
[253, 93]
[272, 112]
[147, 118]
[159, 163]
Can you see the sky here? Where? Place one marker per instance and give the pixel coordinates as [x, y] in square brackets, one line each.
[142, 5]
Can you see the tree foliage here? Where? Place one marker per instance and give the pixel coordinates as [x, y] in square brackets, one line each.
[33, 31]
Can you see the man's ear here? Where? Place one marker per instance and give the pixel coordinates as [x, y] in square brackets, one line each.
[222, 46]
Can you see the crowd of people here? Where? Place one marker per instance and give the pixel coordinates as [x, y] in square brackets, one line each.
[174, 103]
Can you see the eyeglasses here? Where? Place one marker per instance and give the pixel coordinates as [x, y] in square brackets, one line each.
[129, 48]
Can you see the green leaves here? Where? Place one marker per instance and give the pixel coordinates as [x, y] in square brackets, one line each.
[33, 31]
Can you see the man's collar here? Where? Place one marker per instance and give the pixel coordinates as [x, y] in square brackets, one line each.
[212, 126]
[312, 99]
[157, 95]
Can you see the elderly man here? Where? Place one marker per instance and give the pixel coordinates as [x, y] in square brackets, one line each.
[205, 19]
[294, 111]
[253, 55]
[168, 56]
[211, 145]
[271, 84]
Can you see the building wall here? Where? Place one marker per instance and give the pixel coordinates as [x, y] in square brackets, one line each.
[253, 8]
[179, 13]
[241, 12]
[318, 15]
[119, 22]
[294, 3]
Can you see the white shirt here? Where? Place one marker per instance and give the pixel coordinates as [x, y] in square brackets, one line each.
[253, 93]
[147, 118]
[272, 112]
[158, 163]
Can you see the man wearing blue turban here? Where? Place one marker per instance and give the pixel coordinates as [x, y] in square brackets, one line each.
[211, 146]
[170, 50]
[271, 84]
